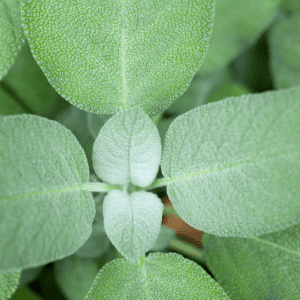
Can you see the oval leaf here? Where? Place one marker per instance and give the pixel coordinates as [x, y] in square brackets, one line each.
[44, 213]
[105, 56]
[8, 283]
[11, 33]
[158, 276]
[128, 149]
[265, 267]
[132, 222]
[234, 165]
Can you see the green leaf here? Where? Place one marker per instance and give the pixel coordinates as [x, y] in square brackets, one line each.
[75, 276]
[230, 164]
[292, 5]
[8, 283]
[132, 222]
[158, 276]
[8, 105]
[108, 56]
[30, 87]
[264, 267]
[11, 33]
[237, 24]
[44, 213]
[29, 275]
[128, 149]
[285, 52]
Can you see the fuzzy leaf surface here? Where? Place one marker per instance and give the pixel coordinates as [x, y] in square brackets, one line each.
[106, 56]
[264, 267]
[8, 283]
[11, 33]
[132, 222]
[234, 165]
[128, 149]
[158, 276]
[44, 213]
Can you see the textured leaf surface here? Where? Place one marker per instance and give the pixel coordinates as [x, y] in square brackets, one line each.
[285, 52]
[8, 283]
[237, 24]
[44, 214]
[158, 276]
[264, 267]
[132, 222]
[128, 149]
[106, 56]
[234, 165]
[11, 33]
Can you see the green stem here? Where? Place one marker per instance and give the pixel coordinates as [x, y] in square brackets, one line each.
[101, 187]
[159, 182]
[186, 248]
[168, 210]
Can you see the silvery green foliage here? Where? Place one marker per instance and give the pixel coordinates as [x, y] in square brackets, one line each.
[44, 213]
[284, 41]
[158, 276]
[106, 56]
[11, 33]
[132, 222]
[231, 163]
[128, 149]
[237, 24]
[264, 267]
[8, 283]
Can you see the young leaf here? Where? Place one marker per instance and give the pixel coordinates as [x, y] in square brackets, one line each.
[264, 267]
[231, 163]
[128, 149]
[106, 56]
[132, 222]
[11, 33]
[237, 24]
[285, 52]
[44, 213]
[8, 283]
[158, 276]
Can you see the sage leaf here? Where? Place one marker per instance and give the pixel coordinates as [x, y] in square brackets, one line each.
[108, 56]
[8, 283]
[158, 276]
[237, 24]
[11, 33]
[233, 166]
[132, 222]
[264, 267]
[44, 213]
[292, 5]
[285, 52]
[128, 149]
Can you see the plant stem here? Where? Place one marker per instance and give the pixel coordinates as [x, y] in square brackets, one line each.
[159, 182]
[101, 187]
[168, 210]
[186, 248]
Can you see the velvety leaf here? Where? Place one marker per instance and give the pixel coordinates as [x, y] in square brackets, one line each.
[233, 166]
[108, 56]
[11, 33]
[30, 86]
[285, 52]
[264, 267]
[158, 276]
[8, 283]
[163, 241]
[132, 222]
[128, 149]
[44, 213]
[237, 24]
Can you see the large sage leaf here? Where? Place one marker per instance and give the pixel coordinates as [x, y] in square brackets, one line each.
[128, 149]
[8, 283]
[233, 166]
[237, 24]
[158, 276]
[11, 33]
[264, 267]
[106, 56]
[132, 222]
[285, 52]
[44, 213]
